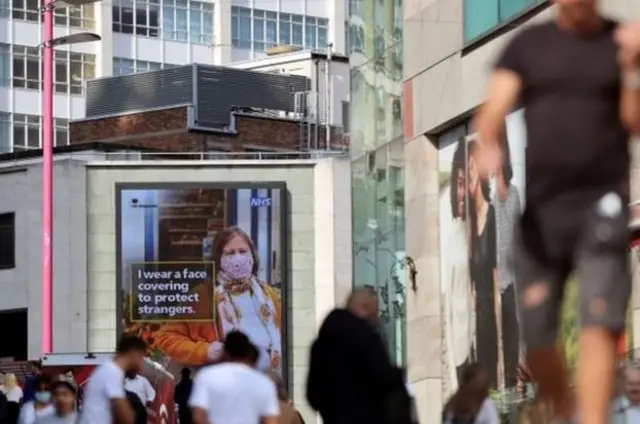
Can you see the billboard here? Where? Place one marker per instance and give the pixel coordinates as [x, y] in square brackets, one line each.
[198, 260]
[476, 219]
[477, 281]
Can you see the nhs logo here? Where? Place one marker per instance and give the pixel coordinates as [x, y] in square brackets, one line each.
[260, 202]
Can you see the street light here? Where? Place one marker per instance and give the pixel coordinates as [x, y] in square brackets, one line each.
[47, 159]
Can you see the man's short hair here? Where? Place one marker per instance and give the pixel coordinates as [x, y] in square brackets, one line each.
[237, 345]
[360, 292]
[129, 343]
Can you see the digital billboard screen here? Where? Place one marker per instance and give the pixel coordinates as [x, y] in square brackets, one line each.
[198, 260]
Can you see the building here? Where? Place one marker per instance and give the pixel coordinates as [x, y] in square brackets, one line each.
[449, 48]
[200, 108]
[140, 36]
[329, 80]
[113, 211]
[378, 162]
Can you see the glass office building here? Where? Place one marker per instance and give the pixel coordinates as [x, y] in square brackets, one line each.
[374, 42]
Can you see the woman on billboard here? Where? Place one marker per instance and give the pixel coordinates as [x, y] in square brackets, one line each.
[483, 266]
[241, 302]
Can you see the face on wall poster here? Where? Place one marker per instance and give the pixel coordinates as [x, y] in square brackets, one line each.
[477, 217]
[196, 261]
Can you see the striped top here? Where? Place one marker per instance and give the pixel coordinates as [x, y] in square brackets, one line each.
[507, 214]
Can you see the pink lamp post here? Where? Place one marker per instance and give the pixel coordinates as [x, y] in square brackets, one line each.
[47, 160]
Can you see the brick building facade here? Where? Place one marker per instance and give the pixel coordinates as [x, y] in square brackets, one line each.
[168, 130]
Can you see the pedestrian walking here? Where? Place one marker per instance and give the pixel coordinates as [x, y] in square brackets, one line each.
[578, 79]
[182, 394]
[233, 391]
[41, 405]
[64, 401]
[351, 378]
[471, 404]
[105, 401]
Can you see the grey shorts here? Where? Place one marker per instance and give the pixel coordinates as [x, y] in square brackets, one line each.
[590, 243]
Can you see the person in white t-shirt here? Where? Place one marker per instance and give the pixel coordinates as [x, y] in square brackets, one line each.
[105, 401]
[135, 383]
[234, 392]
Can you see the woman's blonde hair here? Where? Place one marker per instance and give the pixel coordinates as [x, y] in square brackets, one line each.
[10, 381]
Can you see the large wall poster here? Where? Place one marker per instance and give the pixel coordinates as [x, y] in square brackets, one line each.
[477, 215]
[196, 261]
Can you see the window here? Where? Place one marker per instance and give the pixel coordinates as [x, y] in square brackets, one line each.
[262, 29]
[71, 70]
[123, 66]
[26, 67]
[79, 17]
[480, 16]
[27, 131]
[271, 29]
[7, 240]
[285, 29]
[5, 65]
[29, 10]
[241, 27]
[140, 17]
[5, 132]
[82, 67]
[258, 30]
[201, 23]
[296, 30]
[174, 20]
[323, 26]
[5, 8]
[61, 132]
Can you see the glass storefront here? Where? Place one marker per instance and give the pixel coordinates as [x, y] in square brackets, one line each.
[377, 152]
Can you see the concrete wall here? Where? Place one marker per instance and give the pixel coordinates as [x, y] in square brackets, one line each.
[319, 242]
[440, 85]
[20, 191]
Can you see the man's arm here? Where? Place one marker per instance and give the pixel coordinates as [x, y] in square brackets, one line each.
[198, 401]
[149, 391]
[122, 411]
[199, 416]
[120, 407]
[270, 408]
[628, 38]
[502, 95]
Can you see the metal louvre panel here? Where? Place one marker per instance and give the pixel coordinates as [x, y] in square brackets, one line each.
[220, 89]
[143, 91]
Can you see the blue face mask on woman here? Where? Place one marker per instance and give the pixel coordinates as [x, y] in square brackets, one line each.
[42, 397]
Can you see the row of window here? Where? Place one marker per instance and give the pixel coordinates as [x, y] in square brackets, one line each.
[262, 29]
[22, 67]
[7, 240]
[23, 132]
[30, 10]
[178, 20]
[481, 16]
[123, 66]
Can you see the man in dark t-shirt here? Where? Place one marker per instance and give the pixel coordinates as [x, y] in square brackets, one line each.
[578, 79]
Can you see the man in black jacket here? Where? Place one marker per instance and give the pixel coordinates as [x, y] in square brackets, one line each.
[351, 379]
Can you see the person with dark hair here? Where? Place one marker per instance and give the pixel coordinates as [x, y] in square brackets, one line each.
[33, 371]
[483, 263]
[506, 203]
[233, 391]
[456, 284]
[471, 404]
[182, 394]
[577, 77]
[105, 400]
[64, 400]
[351, 378]
[41, 405]
[242, 302]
